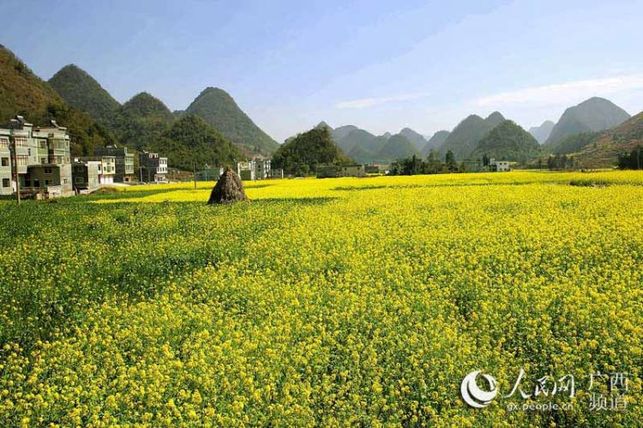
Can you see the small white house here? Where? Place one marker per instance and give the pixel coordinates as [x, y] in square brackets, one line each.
[500, 166]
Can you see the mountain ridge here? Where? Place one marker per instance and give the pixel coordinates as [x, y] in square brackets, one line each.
[592, 115]
[220, 110]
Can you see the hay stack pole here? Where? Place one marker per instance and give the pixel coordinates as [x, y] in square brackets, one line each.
[228, 189]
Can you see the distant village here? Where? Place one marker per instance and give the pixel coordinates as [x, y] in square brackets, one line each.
[36, 163]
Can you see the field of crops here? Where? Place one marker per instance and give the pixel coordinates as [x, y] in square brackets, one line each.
[324, 302]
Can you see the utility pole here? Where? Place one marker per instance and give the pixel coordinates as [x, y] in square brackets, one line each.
[14, 167]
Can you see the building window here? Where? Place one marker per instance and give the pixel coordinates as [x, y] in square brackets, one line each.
[4, 142]
[36, 182]
[47, 170]
[6, 182]
[27, 182]
[46, 182]
[5, 161]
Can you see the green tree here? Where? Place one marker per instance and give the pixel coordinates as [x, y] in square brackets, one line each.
[303, 154]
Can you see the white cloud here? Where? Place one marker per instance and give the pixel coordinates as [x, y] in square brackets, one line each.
[362, 103]
[563, 92]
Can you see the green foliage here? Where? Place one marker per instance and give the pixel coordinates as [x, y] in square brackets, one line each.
[141, 121]
[24, 93]
[575, 142]
[632, 160]
[85, 133]
[414, 165]
[83, 92]
[508, 141]
[190, 140]
[220, 111]
[304, 153]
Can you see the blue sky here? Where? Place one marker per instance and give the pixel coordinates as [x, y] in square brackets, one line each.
[381, 65]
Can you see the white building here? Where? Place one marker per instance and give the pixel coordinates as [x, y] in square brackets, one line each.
[500, 166]
[256, 169]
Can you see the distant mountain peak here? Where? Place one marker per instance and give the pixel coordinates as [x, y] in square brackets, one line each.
[592, 115]
[415, 138]
[80, 90]
[542, 132]
[464, 138]
[144, 104]
[435, 142]
[220, 110]
[496, 115]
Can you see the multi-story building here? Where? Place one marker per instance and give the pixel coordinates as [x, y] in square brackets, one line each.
[153, 168]
[40, 164]
[106, 166]
[500, 166]
[247, 170]
[124, 172]
[85, 176]
[255, 169]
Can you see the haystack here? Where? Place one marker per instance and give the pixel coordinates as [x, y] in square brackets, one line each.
[228, 189]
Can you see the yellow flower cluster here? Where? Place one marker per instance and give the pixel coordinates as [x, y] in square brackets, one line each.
[322, 302]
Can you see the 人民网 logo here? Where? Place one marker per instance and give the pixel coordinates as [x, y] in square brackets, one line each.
[473, 395]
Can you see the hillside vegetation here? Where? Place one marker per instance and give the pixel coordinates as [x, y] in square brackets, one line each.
[507, 141]
[24, 93]
[82, 91]
[141, 121]
[191, 142]
[220, 111]
[605, 148]
[301, 155]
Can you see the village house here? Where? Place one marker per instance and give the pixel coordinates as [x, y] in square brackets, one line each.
[85, 176]
[258, 168]
[153, 168]
[41, 165]
[106, 166]
[499, 166]
[124, 162]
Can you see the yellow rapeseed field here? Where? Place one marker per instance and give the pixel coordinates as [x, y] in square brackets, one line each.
[325, 302]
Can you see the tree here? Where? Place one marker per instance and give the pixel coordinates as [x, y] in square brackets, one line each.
[633, 160]
[450, 161]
